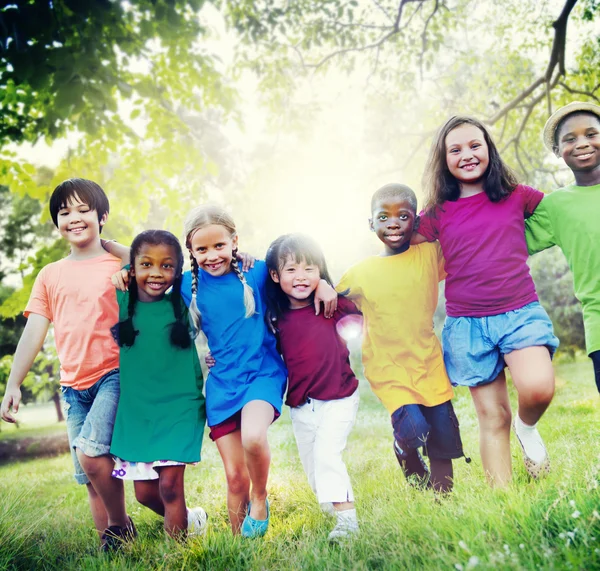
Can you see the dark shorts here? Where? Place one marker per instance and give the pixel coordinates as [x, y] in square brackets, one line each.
[595, 357]
[230, 425]
[435, 428]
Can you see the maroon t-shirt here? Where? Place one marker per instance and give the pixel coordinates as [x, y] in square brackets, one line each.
[484, 246]
[316, 356]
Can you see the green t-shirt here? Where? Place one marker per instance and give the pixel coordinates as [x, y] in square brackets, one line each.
[570, 219]
[161, 412]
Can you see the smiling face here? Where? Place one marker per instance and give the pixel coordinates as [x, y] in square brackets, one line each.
[298, 280]
[155, 269]
[212, 246]
[394, 220]
[467, 154]
[578, 143]
[78, 223]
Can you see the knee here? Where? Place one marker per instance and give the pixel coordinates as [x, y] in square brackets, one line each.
[92, 466]
[495, 417]
[171, 489]
[540, 391]
[238, 480]
[254, 442]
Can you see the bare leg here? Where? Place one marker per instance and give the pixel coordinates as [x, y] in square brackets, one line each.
[341, 506]
[99, 471]
[441, 474]
[533, 375]
[98, 511]
[238, 480]
[257, 416]
[494, 415]
[172, 493]
[147, 492]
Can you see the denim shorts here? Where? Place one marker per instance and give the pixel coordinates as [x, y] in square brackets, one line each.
[90, 419]
[474, 347]
[435, 428]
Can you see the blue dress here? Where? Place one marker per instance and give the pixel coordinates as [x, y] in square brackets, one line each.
[248, 366]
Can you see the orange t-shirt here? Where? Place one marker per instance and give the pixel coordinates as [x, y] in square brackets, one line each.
[79, 299]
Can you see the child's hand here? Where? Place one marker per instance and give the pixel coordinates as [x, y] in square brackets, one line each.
[121, 280]
[326, 294]
[210, 360]
[12, 397]
[246, 259]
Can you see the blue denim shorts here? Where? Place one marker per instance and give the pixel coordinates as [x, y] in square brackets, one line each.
[435, 428]
[474, 347]
[90, 418]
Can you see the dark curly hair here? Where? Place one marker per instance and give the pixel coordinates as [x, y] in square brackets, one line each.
[125, 332]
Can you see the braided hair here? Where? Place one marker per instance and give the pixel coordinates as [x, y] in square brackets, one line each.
[199, 218]
[124, 331]
[300, 248]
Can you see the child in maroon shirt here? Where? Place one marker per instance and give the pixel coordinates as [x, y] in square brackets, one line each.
[322, 389]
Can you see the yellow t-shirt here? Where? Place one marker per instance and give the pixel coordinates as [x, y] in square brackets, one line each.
[79, 299]
[398, 296]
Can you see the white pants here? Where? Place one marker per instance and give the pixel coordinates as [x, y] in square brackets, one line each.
[321, 428]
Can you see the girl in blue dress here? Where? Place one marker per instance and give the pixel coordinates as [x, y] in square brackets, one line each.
[244, 390]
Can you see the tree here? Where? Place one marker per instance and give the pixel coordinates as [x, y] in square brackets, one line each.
[464, 56]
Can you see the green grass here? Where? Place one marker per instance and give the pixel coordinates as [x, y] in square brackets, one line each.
[551, 524]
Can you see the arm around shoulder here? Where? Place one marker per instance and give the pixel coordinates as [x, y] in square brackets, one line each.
[29, 346]
[539, 229]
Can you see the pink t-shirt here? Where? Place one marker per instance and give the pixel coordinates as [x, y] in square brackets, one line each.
[483, 243]
[79, 299]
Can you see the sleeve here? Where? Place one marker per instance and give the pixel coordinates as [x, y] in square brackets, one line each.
[345, 307]
[39, 300]
[539, 231]
[186, 288]
[441, 262]
[531, 199]
[429, 225]
[348, 288]
[260, 273]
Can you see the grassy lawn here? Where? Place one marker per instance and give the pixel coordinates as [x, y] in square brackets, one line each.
[552, 524]
[34, 420]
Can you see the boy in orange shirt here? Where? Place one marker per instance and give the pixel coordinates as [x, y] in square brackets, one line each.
[397, 293]
[76, 295]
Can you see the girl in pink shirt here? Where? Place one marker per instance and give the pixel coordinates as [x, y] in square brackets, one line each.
[477, 210]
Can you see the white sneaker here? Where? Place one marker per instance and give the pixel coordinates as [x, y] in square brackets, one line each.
[346, 527]
[197, 522]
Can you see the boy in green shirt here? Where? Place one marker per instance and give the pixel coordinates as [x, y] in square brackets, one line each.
[569, 217]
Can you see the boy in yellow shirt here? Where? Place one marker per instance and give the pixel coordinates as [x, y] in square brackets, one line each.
[397, 293]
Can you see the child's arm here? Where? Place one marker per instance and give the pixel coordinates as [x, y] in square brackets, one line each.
[417, 238]
[326, 294]
[29, 346]
[117, 250]
[539, 230]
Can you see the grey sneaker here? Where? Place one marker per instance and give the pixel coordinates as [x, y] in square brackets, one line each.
[197, 522]
[346, 527]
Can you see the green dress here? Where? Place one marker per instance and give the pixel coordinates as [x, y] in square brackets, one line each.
[570, 219]
[161, 413]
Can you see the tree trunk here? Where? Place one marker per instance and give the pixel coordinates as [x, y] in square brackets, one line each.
[59, 412]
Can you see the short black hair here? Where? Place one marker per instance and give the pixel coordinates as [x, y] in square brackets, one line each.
[562, 122]
[395, 190]
[87, 191]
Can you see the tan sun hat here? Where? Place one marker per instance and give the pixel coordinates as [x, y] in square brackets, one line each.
[560, 114]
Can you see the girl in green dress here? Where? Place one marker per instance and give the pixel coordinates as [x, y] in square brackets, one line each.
[161, 415]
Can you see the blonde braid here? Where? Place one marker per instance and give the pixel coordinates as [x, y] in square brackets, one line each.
[195, 314]
[249, 303]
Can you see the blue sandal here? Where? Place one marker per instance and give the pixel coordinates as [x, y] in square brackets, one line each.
[255, 527]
